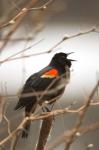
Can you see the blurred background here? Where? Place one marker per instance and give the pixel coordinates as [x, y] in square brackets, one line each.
[39, 31]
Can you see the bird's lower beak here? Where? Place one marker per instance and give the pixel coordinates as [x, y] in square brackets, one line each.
[72, 60]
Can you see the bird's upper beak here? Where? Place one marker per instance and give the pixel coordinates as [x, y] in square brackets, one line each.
[70, 53]
[71, 59]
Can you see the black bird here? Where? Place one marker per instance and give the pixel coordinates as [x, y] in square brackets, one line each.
[50, 81]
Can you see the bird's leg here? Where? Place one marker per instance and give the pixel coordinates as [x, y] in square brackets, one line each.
[47, 109]
[52, 105]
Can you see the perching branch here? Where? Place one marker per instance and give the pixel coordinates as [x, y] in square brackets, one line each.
[44, 133]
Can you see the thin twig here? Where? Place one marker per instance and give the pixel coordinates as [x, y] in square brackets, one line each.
[18, 39]
[8, 124]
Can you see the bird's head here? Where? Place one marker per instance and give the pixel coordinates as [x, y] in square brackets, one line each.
[62, 60]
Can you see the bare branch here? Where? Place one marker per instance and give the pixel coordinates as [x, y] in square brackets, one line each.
[8, 124]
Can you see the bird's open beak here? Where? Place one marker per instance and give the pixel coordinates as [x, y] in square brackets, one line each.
[71, 59]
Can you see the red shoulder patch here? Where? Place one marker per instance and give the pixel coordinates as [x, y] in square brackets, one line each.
[50, 74]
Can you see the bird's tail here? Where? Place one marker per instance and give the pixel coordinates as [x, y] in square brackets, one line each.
[28, 111]
[25, 132]
[26, 126]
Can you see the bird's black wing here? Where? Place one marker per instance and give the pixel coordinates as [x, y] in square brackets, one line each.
[27, 88]
[35, 83]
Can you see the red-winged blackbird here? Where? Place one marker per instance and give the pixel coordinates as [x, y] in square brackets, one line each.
[50, 81]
